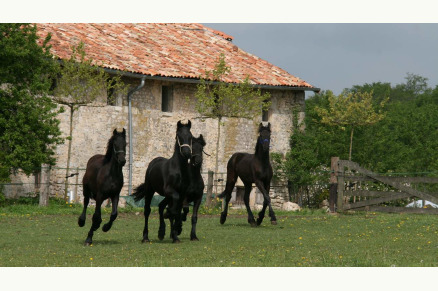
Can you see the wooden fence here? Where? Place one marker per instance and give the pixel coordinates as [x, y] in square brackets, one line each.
[347, 175]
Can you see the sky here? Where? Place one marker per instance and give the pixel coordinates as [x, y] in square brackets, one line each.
[337, 56]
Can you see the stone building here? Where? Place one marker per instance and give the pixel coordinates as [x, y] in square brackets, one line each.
[170, 58]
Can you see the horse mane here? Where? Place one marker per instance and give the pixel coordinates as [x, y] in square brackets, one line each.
[109, 149]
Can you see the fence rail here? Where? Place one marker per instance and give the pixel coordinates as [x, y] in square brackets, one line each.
[347, 179]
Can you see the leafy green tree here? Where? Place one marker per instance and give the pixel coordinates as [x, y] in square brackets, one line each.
[80, 83]
[29, 130]
[217, 99]
[415, 85]
[352, 110]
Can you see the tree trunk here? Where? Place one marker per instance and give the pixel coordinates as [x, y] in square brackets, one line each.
[351, 142]
[67, 172]
[45, 186]
[216, 166]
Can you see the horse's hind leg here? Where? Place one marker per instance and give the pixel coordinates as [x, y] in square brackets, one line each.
[231, 181]
[147, 212]
[162, 229]
[225, 212]
[114, 204]
[97, 220]
[248, 188]
[83, 216]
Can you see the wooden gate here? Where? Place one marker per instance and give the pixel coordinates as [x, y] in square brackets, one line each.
[349, 175]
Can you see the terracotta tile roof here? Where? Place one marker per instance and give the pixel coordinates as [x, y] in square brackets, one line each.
[182, 50]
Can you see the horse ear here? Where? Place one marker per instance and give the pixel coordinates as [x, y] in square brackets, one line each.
[178, 125]
[124, 132]
[203, 143]
[189, 124]
[115, 131]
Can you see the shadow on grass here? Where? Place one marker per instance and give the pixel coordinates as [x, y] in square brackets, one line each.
[101, 242]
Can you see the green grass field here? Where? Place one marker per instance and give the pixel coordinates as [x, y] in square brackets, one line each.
[312, 239]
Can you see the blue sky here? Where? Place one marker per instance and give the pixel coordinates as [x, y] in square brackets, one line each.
[338, 56]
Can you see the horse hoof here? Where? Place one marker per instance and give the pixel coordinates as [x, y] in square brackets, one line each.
[274, 222]
[223, 218]
[253, 224]
[87, 244]
[176, 241]
[161, 235]
[81, 222]
[259, 221]
[194, 239]
[184, 218]
[105, 228]
[145, 241]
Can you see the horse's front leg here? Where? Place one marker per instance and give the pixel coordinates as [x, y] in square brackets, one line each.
[114, 202]
[175, 216]
[97, 220]
[251, 220]
[264, 188]
[195, 218]
[185, 210]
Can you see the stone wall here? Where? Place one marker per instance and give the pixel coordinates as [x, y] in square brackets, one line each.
[154, 132]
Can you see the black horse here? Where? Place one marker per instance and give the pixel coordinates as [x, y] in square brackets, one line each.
[194, 191]
[103, 179]
[169, 178]
[251, 168]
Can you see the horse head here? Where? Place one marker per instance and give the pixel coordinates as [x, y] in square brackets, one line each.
[184, 138]
[265, 135]
[197, 150]
[119, 146]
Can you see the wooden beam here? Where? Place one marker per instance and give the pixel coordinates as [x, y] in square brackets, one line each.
[393, 196]
[389, 181]
[425, 180]
[365, 193]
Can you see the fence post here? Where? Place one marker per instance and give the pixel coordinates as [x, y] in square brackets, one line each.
[209, 185]
[340, 199]
[333, 183]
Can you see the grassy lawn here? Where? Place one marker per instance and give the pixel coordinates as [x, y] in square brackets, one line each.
[303, 239]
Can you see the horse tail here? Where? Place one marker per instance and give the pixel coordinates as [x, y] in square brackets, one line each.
[139, 192]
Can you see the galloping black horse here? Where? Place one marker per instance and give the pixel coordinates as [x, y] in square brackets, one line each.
[103, 179]
[169, 178]
[251, 168]
[194, 191]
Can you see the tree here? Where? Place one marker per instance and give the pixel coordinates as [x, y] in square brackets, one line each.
[354, 109]
[217, 99]
[415, 86]
[80, 82]
[29, 130]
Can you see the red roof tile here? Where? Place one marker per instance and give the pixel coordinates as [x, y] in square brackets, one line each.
[182, 50]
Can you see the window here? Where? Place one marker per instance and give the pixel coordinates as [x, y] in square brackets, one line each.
[166, 98]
